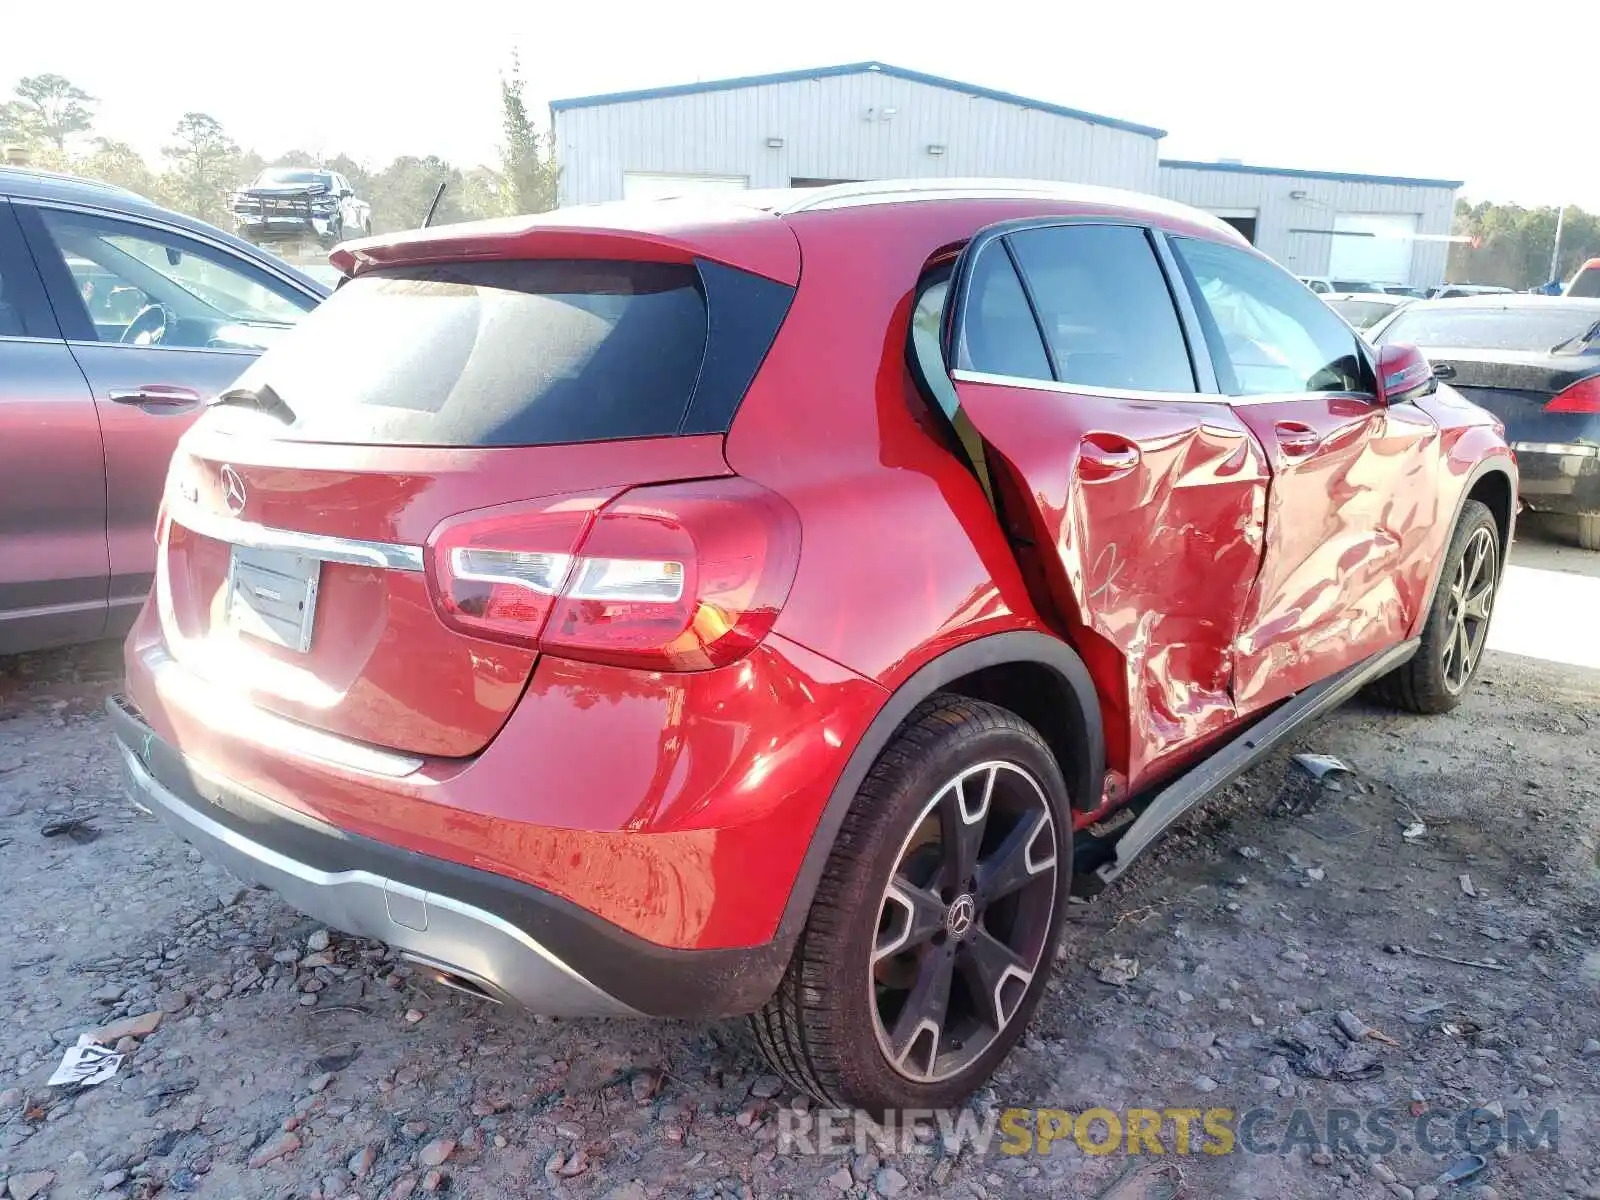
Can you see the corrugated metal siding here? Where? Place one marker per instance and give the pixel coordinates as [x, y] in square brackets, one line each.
[1282, 221]
[827, 135]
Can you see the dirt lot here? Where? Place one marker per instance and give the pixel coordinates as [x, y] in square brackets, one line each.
[286, 1063]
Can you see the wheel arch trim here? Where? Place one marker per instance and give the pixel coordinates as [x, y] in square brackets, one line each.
[1022, 647]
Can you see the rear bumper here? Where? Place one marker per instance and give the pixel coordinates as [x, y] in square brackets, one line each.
[507, 939]
[1559, 477]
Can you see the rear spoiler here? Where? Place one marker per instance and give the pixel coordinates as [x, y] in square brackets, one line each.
[749, 240]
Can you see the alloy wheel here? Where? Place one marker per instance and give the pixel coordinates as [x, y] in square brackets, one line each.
[964, 921]
[1467, 612]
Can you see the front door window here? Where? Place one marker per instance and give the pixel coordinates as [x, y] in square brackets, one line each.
[147, 286]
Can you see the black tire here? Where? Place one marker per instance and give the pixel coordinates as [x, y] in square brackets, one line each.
[821, 1030]
[1589, 531]
[1429, 683]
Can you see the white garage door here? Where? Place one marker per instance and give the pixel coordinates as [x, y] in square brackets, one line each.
[636, 185]
[1373, 246]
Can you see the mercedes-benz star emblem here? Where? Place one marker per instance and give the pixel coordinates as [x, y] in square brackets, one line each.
[963, 912]
[232, 489]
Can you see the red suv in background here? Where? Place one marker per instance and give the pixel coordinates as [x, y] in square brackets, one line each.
[663, 609]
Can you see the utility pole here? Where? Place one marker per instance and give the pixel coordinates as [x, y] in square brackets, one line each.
[1555, 251]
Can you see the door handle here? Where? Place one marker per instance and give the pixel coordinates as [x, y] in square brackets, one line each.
[1102, 457]
[1296, 439]
[1443, 371]
[155, 395]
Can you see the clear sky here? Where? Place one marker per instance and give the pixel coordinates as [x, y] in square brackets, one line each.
[1504, 99]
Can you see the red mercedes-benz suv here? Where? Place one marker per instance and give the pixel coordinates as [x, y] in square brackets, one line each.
[686, 610]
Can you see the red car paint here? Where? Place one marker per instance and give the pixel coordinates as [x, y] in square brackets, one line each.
[1203, 558]
[454, 705]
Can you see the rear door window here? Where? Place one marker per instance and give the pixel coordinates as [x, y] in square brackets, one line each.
[998, 334]
[24, 312]
[1103, 303]
[521, 353]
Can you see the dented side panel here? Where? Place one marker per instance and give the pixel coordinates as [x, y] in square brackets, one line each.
[1146, 519]
[1354, 491]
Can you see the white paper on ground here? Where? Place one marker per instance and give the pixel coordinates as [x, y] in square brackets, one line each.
[87, 1063]
[1318, 765]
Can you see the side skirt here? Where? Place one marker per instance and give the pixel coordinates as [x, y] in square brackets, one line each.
[1228, 763]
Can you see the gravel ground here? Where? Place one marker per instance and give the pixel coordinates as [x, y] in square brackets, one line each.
[267, 1057]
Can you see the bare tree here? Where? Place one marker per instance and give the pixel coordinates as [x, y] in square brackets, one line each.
[118, 163]
[48, 109]
[203, 164]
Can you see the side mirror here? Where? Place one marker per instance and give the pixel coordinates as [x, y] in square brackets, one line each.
[1404, 373]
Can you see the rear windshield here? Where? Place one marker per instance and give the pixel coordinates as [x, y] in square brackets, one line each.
[1363, 314]
[290, 175]
[1586, 284]
[492, 354]
[1473, 328]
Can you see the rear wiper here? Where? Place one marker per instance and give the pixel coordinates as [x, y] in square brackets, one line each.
[262, 399]
[1588, 335]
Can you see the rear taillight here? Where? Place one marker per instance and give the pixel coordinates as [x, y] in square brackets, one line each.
[496, 572]
[1581, 397]
[675, 577]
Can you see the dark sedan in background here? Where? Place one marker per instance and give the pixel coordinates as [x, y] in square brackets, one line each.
[1533, 361]
[118, 320]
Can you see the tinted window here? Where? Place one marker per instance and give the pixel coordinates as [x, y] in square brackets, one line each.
[23, 309]
[494, 354]
[286, 175]
[1105, 308]
[1536, 328]
[1267, 334]
[998, 332]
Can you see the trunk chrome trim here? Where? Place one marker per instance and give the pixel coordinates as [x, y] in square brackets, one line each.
[355, 551]
[236, 716]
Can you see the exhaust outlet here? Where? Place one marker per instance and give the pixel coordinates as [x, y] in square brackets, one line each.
[457, 980]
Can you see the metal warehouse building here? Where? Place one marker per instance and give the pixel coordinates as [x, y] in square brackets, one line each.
[1383, 228]
[871, 120]
[833, 125]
